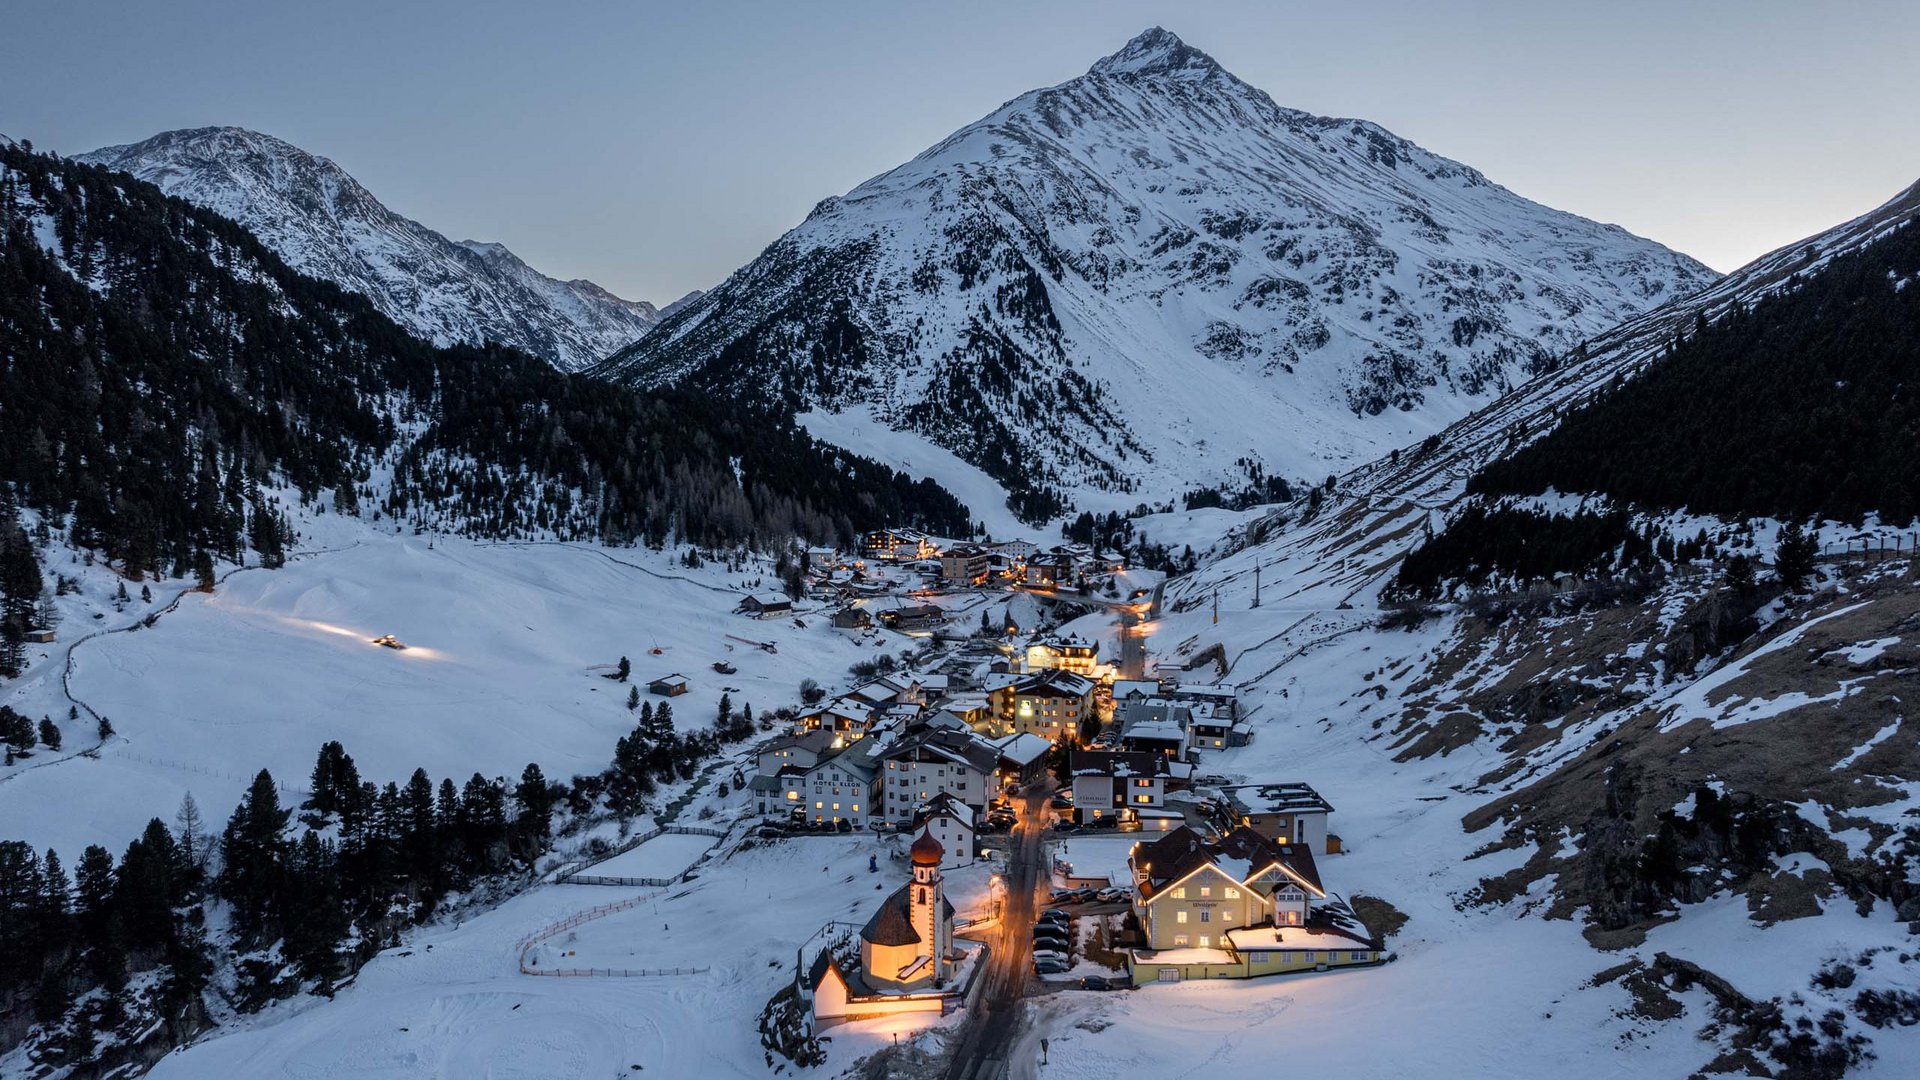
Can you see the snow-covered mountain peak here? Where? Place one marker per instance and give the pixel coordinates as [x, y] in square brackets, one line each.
[1150, 278]
[325, 223]
[1157, 52]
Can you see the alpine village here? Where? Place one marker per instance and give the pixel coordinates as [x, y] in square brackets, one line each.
[1161, 583]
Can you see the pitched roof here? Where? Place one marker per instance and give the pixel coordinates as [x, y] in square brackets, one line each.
[814, 741]
[1055, 683]
[958, 747]
[947, 804]
[1241, 854]
[893, 923]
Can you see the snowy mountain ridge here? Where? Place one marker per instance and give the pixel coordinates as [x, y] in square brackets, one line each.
[325, 223]
[1152, 277]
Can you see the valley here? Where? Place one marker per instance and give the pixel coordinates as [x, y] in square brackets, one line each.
[1159, 582]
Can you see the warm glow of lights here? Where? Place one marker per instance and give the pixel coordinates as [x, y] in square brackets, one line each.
[364, 637]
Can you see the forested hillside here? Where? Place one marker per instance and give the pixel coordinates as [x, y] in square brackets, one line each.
[162, 367]
[1807, 403]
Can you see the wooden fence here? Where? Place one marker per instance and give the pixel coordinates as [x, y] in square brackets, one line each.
[568, 876]
[580, 918]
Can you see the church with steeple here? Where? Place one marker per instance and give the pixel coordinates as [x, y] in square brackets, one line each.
[908, 944]
[906, 953]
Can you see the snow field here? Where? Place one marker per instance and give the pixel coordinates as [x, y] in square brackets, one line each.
[507, 646]
[452, 1003]
[665, 856]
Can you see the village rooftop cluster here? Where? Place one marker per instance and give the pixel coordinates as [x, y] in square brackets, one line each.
[1203, 877]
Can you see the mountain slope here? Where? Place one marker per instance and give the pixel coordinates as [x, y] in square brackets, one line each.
[162, 373]
[1689, 760]
[324, 223]
[1150, 276]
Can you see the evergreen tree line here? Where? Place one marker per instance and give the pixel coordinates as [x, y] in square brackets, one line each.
[20, 587]
[1805, 404]
[1502, 544]
[308, 892]
[161, 366]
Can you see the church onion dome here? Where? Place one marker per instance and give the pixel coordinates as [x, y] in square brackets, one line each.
[926, 851]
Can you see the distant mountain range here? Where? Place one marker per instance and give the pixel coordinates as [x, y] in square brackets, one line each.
[324, 223]
[1151, 278]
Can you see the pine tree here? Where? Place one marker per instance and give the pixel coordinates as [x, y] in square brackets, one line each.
[625, 669]
[254, 851]
[536, 805]
[191, 831]
[1793, 556]
[49, 734]
[633, 698]
[203, 575]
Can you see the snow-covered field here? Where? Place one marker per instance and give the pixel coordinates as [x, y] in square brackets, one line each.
[453, 1004]
[507, 646]
[664, 856]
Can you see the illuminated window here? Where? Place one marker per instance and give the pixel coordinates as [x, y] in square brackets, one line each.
[1205, 941]
[1143, 798]
[793, 796]
[1179, 941]
[1180, 917]
[836, 806]
[856, 808]
[1180, 893]
[1233, 894]
[1206, 891]
[818, 806]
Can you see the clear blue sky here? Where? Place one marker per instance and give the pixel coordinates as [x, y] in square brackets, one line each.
[655, 147]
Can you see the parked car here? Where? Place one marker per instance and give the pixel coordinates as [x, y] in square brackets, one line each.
[1060, 802]
[1114, 894]
[1053, 955]
[1101, 982]
[1064, 896]
[1055, 916]
[1050, 933]
[1068, 828]
[1049, 967]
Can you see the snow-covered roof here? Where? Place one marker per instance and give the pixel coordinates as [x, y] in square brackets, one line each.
[1279, 798]
[1023, 749]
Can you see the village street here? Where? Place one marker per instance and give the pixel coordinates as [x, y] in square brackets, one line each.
[980, 1052]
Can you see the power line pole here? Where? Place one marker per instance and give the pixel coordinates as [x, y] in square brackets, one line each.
[1256, 585]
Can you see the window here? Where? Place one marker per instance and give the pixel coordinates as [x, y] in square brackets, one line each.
[1206, 891]
[1179, 941]
[1180, 917]
[793, 796]
[1143, 798]
[818, 806]
[1259, 958]
[1206, 915]
[856, 808]
[1180, 893]
[1356, 955]
[1233, 894]
[1143, 782]
[1286, 956]
[836, 806]
[1205, 941]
